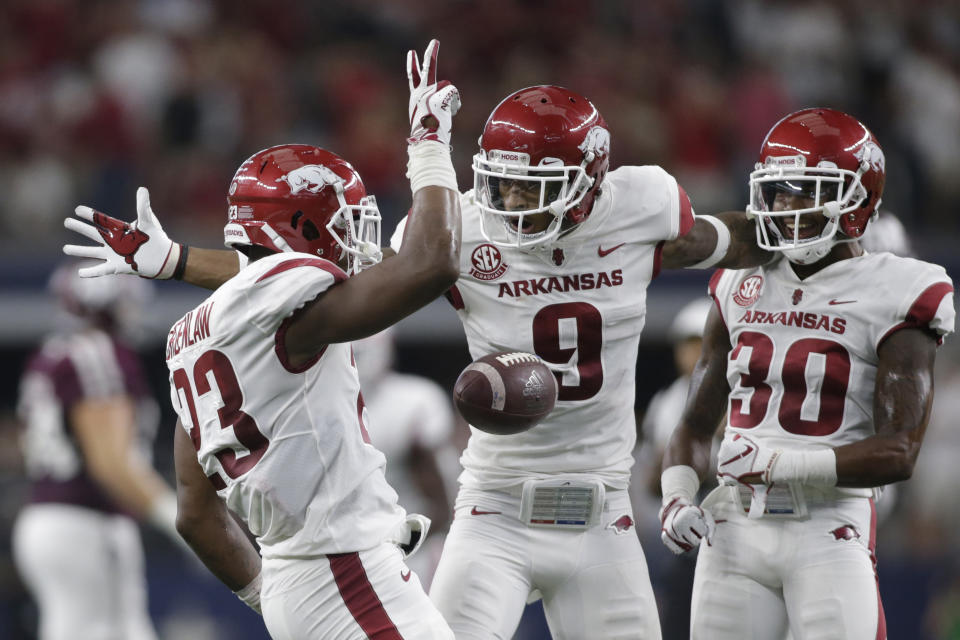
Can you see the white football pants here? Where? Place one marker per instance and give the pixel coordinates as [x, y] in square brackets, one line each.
[350, 596]
[814, 575]
[594, 583]
[85, 571]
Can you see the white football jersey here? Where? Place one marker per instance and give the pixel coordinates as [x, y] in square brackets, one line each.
[803, 362]
[579, 307]
[286, 447]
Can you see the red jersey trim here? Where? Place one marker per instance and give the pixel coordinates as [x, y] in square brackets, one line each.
[712, 288]
[657, 259]
[922, 311]
[454, 298]
[280, 348]
[320, 263]
[360, 597]
[279, 339]
[686, 212]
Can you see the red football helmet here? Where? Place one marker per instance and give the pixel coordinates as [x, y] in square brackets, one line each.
[297, 197]
[832, 161]
[553, 144]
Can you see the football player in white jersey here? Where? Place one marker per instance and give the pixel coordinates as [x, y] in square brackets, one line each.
[824, 361]
[556, 258]
[89, 421]
[272, 424]
[557, 254]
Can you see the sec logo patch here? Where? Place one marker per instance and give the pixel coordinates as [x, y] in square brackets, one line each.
[749, 291]
[486, 263]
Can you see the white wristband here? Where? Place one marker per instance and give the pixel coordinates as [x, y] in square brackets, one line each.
[169, 266]
[429, 165]
[818, 467]
[679, 480]
[723, 243]
[163, 514]
[250, 594]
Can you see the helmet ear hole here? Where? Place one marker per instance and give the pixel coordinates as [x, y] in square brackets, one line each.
[310, 231]
[296, 217]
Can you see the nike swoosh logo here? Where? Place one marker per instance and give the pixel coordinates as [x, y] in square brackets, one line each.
[742, 454]
[835, 301]
[405, 576]
[605, 252]
[477, 512]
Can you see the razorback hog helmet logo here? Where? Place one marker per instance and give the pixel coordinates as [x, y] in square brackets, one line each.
[597, 140]
[310, 177]
[872, 154]
[621, 525]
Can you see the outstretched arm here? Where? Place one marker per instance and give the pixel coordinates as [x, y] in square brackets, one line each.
[706, 245]
[210, 268]
[143, 248]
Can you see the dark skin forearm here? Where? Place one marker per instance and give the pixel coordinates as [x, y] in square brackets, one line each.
[698, 244]
[210, 268]
[901, 410]
[743, 251]
[205, 523]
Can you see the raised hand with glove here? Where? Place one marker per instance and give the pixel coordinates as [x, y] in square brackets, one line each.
[432, 107]
[432, 104]
[683, 525]
[139, 248]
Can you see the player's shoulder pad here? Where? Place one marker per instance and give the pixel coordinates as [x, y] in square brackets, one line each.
[274, 287]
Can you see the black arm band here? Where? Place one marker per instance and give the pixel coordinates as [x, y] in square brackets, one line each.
[181, 263]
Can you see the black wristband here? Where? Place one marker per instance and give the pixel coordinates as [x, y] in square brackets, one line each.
[181, 263]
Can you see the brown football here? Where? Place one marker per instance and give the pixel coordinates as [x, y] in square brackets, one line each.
[505, 393]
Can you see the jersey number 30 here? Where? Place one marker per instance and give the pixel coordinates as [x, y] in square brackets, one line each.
[811, 407]
[247, 436]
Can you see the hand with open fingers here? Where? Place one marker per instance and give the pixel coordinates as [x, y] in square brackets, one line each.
[683, 525]
[432, 104]
[140, 248]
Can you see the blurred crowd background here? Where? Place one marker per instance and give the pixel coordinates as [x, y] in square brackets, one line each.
[98, 97]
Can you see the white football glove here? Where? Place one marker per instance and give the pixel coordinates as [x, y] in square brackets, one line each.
[429, 98]
[140, 248]
[683, 525]
[744, 461]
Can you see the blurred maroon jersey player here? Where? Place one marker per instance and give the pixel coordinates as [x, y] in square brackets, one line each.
[89, 424]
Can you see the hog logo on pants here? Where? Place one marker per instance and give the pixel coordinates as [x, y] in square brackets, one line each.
[846, 532]
[310, 177]
[621, 525]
